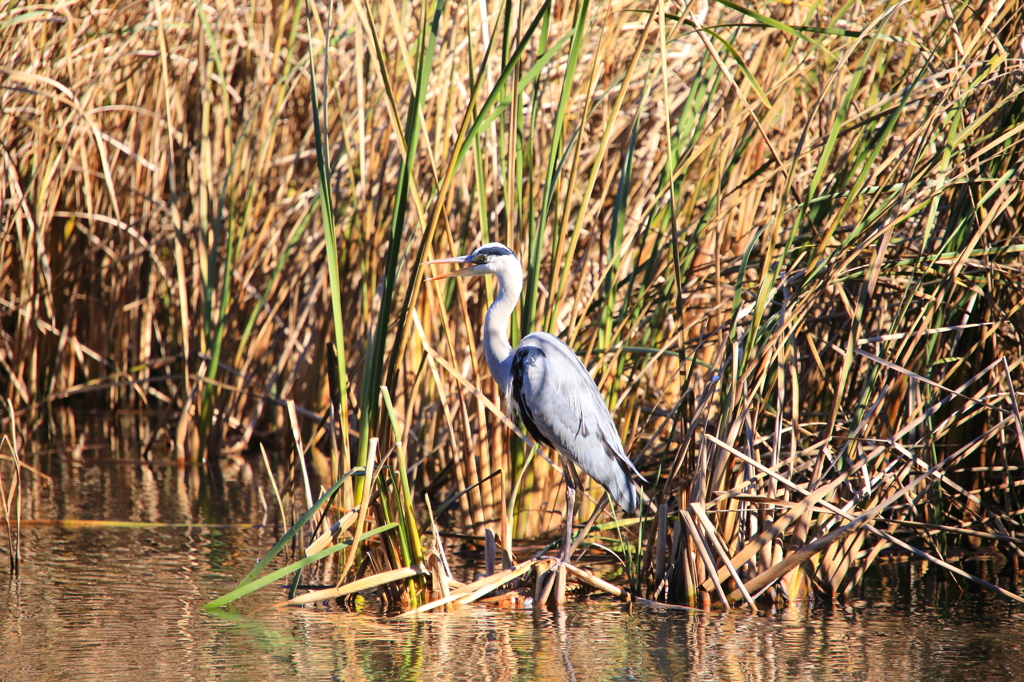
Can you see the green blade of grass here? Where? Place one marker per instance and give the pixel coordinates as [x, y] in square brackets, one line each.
[250, 587]
[303, 520]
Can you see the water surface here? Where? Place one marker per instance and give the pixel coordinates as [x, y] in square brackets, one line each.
[95, 602]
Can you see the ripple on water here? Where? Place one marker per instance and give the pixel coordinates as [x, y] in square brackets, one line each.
[117, 603]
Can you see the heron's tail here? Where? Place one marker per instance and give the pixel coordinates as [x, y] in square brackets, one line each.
[610, 467]
[624, 492]
[616, 476]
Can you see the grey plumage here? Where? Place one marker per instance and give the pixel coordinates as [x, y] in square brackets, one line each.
[562, 408]
[548, 386]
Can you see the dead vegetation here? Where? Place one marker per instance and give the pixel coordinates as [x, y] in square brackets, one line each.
[784, 237]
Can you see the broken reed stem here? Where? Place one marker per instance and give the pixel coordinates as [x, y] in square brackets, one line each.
[300, 451]
[366, 583]
[273, 482]
[473, 591]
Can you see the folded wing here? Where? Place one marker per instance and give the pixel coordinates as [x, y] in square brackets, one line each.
[561, 407]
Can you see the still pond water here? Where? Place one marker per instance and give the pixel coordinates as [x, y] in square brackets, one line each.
[97, 602]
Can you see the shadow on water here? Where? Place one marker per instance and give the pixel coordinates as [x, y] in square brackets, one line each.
[123, 603]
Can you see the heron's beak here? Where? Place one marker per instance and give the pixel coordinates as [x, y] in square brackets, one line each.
[455, 273]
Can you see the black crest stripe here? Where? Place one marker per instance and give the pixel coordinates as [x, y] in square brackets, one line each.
[494, 251]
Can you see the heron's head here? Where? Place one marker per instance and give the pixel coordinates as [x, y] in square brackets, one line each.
[489, 259]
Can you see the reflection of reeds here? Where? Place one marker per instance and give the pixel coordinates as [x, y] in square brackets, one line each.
[786, 245]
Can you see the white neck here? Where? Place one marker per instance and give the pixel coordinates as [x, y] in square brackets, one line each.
[497, 349]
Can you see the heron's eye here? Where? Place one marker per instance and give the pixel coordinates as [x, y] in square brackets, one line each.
[479, 259]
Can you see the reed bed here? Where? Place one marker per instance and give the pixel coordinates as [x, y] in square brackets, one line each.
[783, 236]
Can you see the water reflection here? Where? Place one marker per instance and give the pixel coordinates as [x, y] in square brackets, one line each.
[124, 603]
[114, 603]
[601, 643]
[106, 466]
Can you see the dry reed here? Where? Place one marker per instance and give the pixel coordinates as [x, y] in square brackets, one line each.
[785, 237]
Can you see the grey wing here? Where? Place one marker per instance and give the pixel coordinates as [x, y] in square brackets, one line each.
[562, 408]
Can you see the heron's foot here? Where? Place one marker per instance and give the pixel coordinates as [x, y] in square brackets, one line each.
[557, 561]
[551, 585]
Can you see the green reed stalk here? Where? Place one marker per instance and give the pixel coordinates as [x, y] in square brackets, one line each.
[331, 250]
[375, 349]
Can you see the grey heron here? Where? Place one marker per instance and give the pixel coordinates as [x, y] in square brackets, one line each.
[546, 384]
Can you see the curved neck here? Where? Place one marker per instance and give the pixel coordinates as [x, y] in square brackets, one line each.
[497, 349]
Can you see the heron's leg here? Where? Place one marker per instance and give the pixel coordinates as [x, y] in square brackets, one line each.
[572, 482]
